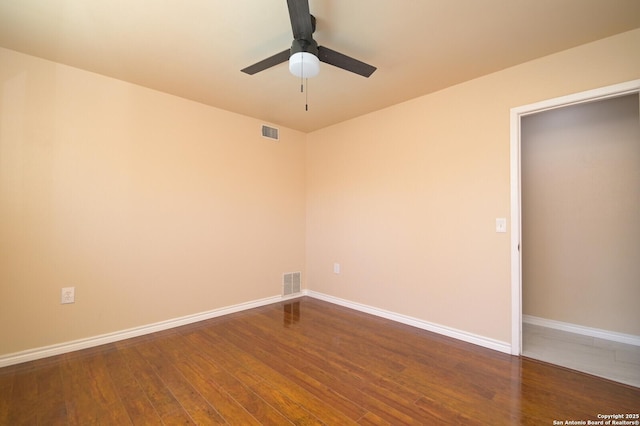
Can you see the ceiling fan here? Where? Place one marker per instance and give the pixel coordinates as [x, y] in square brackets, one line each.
[305, 54]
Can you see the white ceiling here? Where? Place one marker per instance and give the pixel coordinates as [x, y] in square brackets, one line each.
[196, 48]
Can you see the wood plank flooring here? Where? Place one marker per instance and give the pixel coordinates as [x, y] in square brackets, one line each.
[301, 362]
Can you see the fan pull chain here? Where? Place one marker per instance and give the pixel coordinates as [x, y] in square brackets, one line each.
[301, 76]
[304, 82]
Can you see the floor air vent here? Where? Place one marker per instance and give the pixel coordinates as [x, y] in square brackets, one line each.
[291, 283]
[270, 132]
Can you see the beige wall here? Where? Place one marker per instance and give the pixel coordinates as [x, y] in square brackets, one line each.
[406, 198]
[581, 214]
[152, 206]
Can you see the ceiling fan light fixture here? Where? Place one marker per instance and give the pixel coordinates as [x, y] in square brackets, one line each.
[304, 64]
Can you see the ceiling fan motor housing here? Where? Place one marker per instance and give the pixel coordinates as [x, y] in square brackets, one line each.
[307, 46]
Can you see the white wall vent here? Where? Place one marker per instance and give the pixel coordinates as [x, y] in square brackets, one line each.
[291, 283]
[270, 132]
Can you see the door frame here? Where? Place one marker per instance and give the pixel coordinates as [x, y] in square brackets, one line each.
[517, 113]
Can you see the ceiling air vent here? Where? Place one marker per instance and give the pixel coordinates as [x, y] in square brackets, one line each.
[269, 132]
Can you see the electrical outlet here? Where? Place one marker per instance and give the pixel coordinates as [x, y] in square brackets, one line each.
[68, 295]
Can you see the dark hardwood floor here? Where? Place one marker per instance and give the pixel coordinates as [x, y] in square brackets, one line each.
[301, 362]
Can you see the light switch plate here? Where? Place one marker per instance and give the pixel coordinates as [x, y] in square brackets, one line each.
[501, 224]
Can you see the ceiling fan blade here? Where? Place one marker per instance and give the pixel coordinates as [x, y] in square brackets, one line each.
[345, 62]
[300, 16]
[271, 61]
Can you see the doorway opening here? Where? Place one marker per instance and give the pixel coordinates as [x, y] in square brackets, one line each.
[529, 113]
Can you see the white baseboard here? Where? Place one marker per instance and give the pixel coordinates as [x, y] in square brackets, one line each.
[62, 348]
[47, 351]
[629, 339]
[415, 322]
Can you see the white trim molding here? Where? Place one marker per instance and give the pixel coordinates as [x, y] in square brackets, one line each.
[415, 322]
[597, 333]
[62, 348]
